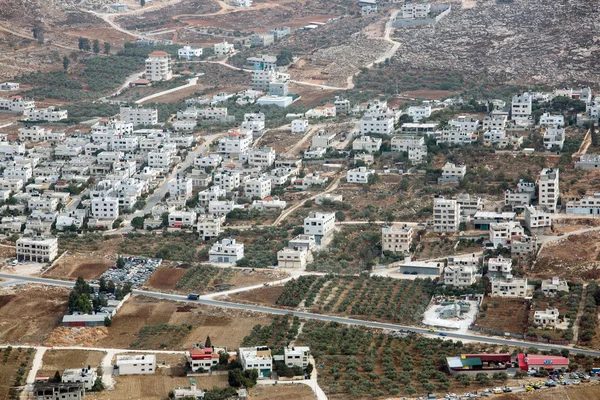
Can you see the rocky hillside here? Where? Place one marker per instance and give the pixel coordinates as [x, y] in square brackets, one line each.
[523, 42]
[29, 12]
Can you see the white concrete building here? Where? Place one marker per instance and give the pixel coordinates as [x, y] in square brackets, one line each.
[321, 225]
[536, 219]
[299, 125]
[503, 233]
[551, 287]
[495, 121]
[226, 251]
[405, 142]
[452, 173]
[521, 197]
[258, 358]
[546, 119]
[464, 123]
[459, 275]
[396, 238]
[500, 266]
[297, 356]
[163, 157]
[367, 143]
[292, 258]
[509, 287]
[417, 113]
[86, 376]
[33, 133]
[180, 188]
[548, 318]
[381, 123]
[418, 154]
[257, 187]
[223, 49]
[158, 66]
[182, 219]
[323, 139]
[37, 248]
[135, 364]
[139, 115]
[446, 215]
[105, 208]
[209, 226]
[456, 136]
[209, 161]
[262, 61]
[416, 11]
[324, 111]
[359, 175]
[15, 104]
[227, 180]
[521, 108]
[586, 205]
[235, 142]
[554, 137]
[189, 52]
[50, 114]
[263, 157]
[549, 190]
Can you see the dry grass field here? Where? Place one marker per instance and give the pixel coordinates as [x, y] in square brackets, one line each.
[509, 316]
[59, 360]
[282, 392]
[71, 266]
[28, 315]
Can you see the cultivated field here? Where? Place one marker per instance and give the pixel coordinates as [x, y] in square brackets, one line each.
[14, 367]
[373, 298]
[28, 315]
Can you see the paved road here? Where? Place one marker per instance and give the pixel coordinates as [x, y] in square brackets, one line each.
[191, 82]
[161, 190]
[206, 300]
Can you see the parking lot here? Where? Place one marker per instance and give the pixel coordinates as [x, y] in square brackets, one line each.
[136, 271]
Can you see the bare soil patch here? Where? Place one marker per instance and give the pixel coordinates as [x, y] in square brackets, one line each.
[575, 257]
[28, 314]
[59, 360]
[429, 94]
[72, 266]
[282, 392]
[266, 295]
[509, 316]
[165, 278]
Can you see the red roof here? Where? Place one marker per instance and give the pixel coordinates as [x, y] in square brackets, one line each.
[14, 97]
[141, 81]
[158, 54]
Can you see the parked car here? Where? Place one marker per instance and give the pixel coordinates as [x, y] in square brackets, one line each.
[506, 389]
[443, 334]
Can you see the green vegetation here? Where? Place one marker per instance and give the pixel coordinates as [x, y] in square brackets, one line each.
[163, 336]
[371, 297]
[282, 330]
[589, 320]
[176, 246]
[199, 277]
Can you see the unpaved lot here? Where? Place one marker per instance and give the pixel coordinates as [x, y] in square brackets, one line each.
[59, 360]
[510, 315]
[153, 387]
[28, 314]
[72, 266]
[575, 257]
[282, 392]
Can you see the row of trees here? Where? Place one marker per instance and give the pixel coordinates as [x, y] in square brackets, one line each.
[86, 45]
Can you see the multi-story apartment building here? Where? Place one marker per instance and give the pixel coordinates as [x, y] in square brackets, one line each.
[503, 233]
[163, 157]
[586, 205]
[456, 136]
[521, 197]
[465, 123]
[396, 238]
[321, 225]
[227, 180]
[446, 215]
[135, 364]
[417, 113]
[50, 114]
[180, 188]
[297, 356]
[495, 121]
[452, 173]
[367, 143]
[16, 104]
[209, 226]
[522, 107]
[405, 142]
[158, 66]
[262, 61]
[549, 191]
[500, 266]
[223, 49]
[509, 287]
[139, 115]
[417, 154]
[552, 120]
[262, 157]
[226, 251]
[257, 187]
[359, 175]
[416, 11]
[182, 219]
[381, 123]
[235, 142]
[37, 248]
[299, 125]
[554, 137]
[323, 139]
[536, 219]
[460, 274]
[105, 208]
[292, 258]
